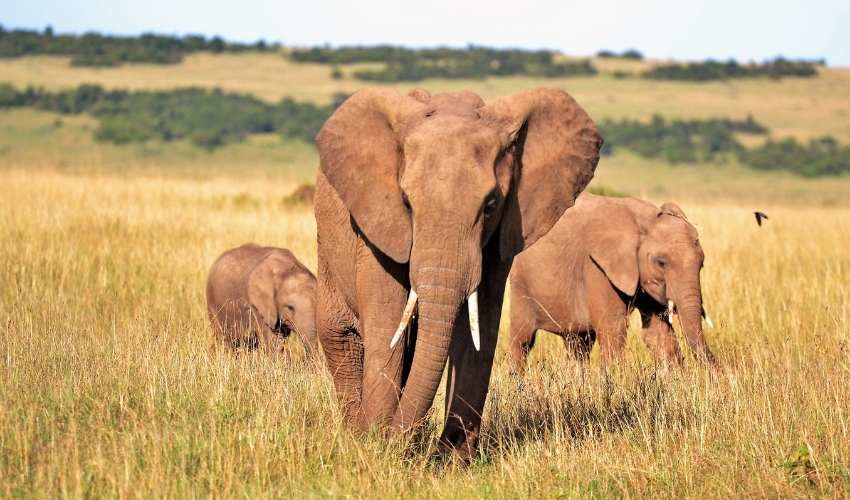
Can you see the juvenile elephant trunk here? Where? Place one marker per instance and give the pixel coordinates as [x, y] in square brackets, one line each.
[689, 305]
[441, 291]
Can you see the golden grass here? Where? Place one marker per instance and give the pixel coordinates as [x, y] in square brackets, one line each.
[803, 108]
[110, 387]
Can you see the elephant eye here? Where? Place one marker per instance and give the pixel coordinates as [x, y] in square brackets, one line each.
[661, 262]
[290, 308]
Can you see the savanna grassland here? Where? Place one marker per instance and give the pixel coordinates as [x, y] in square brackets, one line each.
[110, 385]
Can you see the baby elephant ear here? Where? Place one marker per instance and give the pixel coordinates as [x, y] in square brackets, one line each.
[613, 238]
[262, 283]
[671, 208]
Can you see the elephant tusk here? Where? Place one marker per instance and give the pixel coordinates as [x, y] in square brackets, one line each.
[405, 318]
[472, 303]
[670, 306]
[707, 318]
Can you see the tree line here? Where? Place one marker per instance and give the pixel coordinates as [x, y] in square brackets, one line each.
[714, 141]
[401, 64]
[632, 54]
[731, 69]
[213, 118]
[95, 49]
[405, 64]
[408, 65]
[206, 118]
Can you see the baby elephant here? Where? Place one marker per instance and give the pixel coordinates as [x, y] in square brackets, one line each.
[257, 296]
[603, 258]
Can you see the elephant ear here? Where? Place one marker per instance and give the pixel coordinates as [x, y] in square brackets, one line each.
[612, 236]
[262, 284]
[673, 209]
[556, 149]
[360, 155]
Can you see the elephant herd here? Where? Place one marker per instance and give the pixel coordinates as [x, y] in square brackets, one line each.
[424, 203]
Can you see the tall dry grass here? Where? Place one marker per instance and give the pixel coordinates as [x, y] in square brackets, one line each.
[110, 387]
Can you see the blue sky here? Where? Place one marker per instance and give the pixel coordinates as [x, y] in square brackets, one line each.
[743, 29]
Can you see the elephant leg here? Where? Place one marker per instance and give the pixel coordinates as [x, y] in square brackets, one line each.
[523, 331]
[469, 370]
[579, 344]
[336, 328]
[660, 339]
[607, 311]
[381, 295]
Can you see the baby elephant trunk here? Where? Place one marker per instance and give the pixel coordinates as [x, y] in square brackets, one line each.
[690, 309]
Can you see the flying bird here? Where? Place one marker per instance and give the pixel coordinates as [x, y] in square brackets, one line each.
[760, 216]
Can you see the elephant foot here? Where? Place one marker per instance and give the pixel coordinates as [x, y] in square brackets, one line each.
[457, 446]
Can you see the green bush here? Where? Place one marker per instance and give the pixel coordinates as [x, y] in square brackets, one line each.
[690, 141]
[678, 141]
[714, 70]
[94, 49]
[626, 54]
[208, 119]
[409, 65]
[821, 157]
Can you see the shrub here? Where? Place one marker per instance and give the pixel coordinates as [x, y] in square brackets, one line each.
[678, 141]
[823, 156]
[208, 119]
[403, 64]
[626, 54]
[94, 49]
[714, 70]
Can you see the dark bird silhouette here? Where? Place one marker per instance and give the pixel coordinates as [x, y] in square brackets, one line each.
[760, 216]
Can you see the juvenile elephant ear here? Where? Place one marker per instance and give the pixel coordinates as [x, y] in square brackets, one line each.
[360, 155]
[261, 290]
[673, 209]
[556, 148]
[612, 237]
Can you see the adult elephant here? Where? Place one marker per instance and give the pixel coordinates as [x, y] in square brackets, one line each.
[604, 258]
[421, 203]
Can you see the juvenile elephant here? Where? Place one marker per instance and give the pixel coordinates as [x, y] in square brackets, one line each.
[603, 258]
[421, 203]
[257, 296]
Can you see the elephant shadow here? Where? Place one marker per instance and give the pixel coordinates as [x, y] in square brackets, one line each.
[549, 406]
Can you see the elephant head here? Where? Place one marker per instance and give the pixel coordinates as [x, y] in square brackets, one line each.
[429, 181]
[282, 296]
[659, 251]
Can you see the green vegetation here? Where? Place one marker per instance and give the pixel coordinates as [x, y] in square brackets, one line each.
[208, 119]
[212, 118]
[821, 157]
[411, 65]
[713, 140]
[715, 70]
[94, 49]
[626, 54]
[678, 141]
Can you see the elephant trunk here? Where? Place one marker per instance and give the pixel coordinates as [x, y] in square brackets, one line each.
[689, 306]
[441, 288]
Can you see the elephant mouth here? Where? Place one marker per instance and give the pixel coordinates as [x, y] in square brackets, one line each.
[281, 329]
